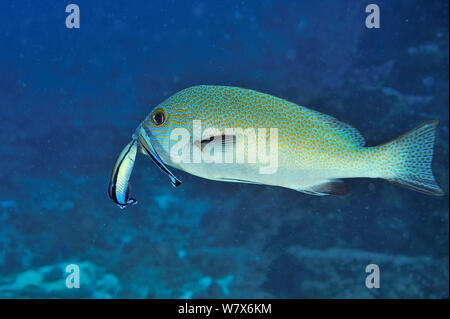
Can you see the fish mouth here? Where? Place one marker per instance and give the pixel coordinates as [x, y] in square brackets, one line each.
[148, 149]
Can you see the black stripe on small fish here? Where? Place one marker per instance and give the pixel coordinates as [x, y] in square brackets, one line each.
[112, 184]
[175, 181]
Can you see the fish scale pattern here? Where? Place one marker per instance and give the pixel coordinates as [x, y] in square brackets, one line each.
[307, 140]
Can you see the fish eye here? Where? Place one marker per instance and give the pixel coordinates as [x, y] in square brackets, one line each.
[158, 117]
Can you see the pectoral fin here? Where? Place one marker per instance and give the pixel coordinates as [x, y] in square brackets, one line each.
[224, 141]
[330, 187]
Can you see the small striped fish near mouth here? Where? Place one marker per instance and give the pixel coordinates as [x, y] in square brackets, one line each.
[119, 184]
[119, 187]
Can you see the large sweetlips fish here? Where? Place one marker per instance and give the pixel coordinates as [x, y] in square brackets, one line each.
[233, 134]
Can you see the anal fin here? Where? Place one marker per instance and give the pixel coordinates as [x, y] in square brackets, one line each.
[330, 187]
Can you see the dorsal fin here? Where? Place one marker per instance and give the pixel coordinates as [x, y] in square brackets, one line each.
[350, 134]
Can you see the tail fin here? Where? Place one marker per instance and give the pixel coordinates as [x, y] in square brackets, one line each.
[414, 153]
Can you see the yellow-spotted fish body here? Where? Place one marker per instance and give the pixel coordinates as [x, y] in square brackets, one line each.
[315, 150]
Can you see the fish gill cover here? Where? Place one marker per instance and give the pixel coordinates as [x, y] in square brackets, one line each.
[71, 98]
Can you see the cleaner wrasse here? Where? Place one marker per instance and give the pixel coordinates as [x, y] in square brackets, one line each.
[119, 187]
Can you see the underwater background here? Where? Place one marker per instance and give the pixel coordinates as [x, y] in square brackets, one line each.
[71, 98]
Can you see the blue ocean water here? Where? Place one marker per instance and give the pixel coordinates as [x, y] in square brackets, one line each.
[71, 98]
